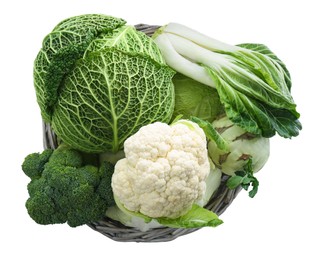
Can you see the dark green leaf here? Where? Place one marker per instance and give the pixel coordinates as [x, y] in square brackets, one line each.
[254, 115]
[255, 91]
[234, 182]
[245, 179]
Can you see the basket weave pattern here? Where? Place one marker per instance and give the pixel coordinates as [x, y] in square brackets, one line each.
[219, 202]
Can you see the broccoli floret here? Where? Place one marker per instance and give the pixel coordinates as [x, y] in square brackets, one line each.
[67, 157]
[34, 163]
[63, 189]
[104, 189]
[42, 209]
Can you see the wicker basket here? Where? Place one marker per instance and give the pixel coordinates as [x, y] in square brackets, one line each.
[219, 202]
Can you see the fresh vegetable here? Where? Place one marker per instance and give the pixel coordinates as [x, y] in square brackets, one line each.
[235, 152]
[241, 146]
[144, 223]
[148, 127]
[63, 188]
[245, 179]
[193, 98]
[196, 217]
[130, 220]
[164, 170]
[252, 82]
[212, 183]
[211, 133]
[98, 81]
[164, 173]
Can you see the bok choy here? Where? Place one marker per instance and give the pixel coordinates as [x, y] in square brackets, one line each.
[253, 84]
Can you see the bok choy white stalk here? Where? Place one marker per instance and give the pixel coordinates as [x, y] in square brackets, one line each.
[252, 82]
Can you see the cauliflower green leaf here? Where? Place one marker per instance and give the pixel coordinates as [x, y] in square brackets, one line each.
[196, 217]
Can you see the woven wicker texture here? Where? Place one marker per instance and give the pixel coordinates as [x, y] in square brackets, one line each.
[219, 202]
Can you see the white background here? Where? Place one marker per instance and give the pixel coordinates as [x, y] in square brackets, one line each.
[276, 224]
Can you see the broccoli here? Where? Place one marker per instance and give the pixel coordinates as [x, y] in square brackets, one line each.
[34, 163]
[64, 188]
[104, 189]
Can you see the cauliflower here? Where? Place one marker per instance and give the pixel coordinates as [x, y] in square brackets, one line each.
[164, 170]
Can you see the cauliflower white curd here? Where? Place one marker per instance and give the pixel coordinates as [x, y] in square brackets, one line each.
[164, 170]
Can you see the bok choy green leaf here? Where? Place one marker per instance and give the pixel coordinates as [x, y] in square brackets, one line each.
[252, 82]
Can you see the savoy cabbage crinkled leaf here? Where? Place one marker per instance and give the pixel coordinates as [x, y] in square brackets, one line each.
[60, 50]
[98, 81]
[103, 100]
[126, 38]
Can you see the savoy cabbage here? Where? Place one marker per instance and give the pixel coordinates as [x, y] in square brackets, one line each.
[98, 81]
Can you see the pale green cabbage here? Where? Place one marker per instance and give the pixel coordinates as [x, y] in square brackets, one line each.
[98, 81]
[193, 98]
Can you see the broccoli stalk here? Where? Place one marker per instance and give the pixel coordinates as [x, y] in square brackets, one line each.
[65, 187]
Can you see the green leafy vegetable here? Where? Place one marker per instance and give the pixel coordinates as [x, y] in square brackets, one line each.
[98, 81]
[193, 98]
[252, 83]
[245, 179]
[60, 50]
[99, 107]
[127, 39]
[196, 217]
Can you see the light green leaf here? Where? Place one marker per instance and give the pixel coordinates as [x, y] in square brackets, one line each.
[263, 49]
[211, 133]
[193, 98]
[176, 119]
[196, 217]
[127, 39]
[131, 213]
